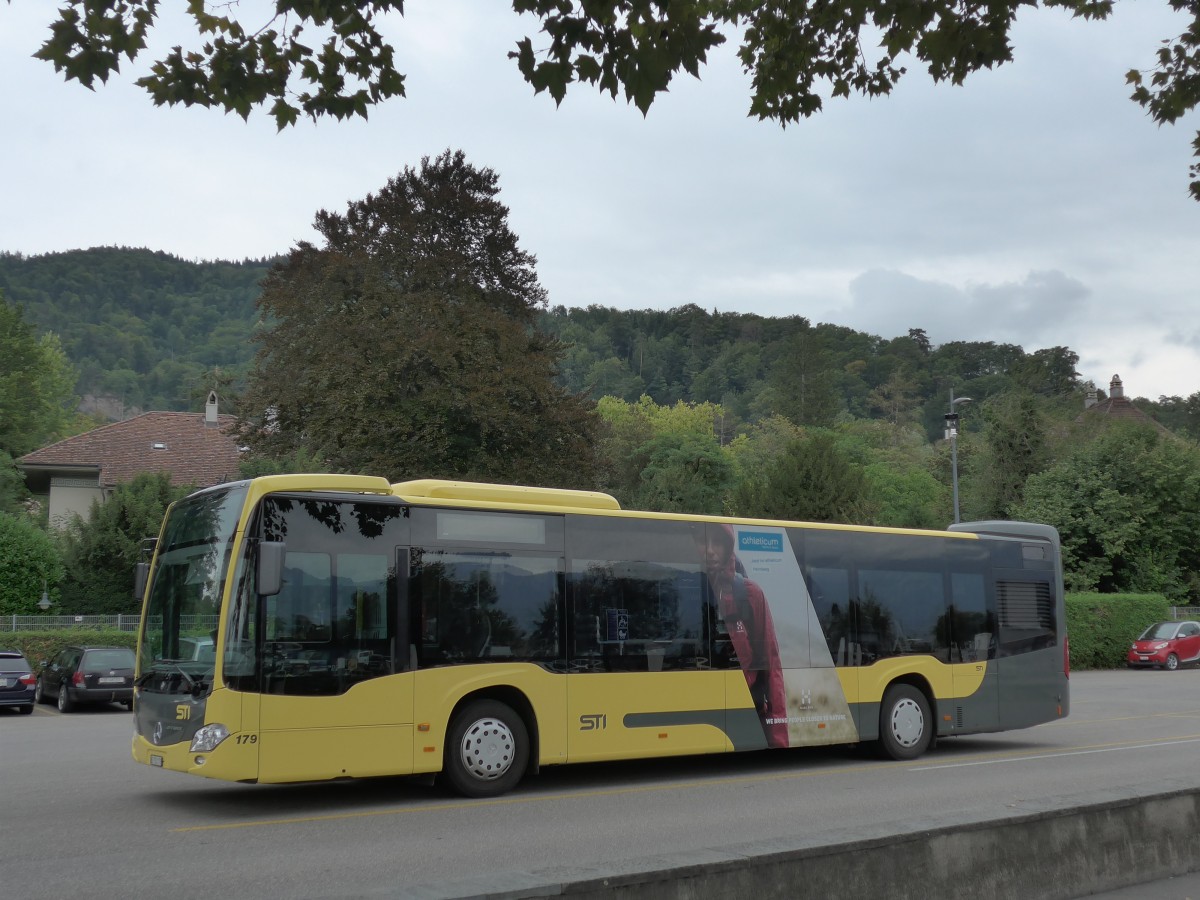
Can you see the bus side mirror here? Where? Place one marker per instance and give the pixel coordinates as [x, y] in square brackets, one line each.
[270, 567]
[141, 572]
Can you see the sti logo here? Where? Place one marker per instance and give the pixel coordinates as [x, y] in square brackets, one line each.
[760, 542]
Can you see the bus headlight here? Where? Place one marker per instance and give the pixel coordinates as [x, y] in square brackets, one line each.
[208, 738]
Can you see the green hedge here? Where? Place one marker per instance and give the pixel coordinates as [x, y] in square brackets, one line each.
[45, 645]
[1102, 626]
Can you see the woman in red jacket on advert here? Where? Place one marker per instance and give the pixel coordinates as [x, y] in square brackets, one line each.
[743, 611]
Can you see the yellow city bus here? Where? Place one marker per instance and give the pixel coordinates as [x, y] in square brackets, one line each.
[359, 628]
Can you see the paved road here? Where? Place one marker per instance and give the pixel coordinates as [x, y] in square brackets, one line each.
[85, 814]
[1185, 887]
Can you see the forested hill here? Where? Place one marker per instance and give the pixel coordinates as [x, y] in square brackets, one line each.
[147, 330]
[756, 367]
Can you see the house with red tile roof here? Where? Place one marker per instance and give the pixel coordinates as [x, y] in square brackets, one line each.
[195, 448]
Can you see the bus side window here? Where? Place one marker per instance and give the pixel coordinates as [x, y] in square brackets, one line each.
[298, 625]
[913, 605]
[830, 592]
[637, 599]
[475, 606]
[332, 623]
[300, 611]
[360, 647]
[973, 624]
[637, 617]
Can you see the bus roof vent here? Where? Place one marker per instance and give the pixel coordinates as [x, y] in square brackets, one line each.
[509, 494]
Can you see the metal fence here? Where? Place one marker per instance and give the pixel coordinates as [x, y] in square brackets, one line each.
[58, 623]
[121, 622]
[1185, 612]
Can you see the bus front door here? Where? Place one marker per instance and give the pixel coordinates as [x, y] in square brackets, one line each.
[341, 718]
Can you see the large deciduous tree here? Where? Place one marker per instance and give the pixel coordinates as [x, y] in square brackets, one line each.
[37, 397]
[812, 480]
[650, 450]
[37, 384]
[406, 345]
[1013, 446]
[1127, 505]
[802, 384]
[684, 472]
[332, 58]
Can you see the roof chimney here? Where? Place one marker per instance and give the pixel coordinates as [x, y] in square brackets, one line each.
[1092, 398]
[1115, 390]
[210, 409]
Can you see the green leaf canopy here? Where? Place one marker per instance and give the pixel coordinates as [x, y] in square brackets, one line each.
[406, 346]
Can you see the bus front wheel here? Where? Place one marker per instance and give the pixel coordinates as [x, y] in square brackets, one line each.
[905, 723]
[487, 749]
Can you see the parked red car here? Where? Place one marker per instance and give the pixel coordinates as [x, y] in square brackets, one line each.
[1166, 644]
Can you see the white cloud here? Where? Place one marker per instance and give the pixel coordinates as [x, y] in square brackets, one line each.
[1028, 311]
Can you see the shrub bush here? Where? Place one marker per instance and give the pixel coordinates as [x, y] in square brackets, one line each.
[29, 563]
[1102, 626]
[37, 646]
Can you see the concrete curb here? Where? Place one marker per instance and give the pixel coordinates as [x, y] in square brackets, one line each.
[1055, 848]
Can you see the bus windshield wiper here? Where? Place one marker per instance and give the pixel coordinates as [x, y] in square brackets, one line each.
[168, 668]
[192, 686]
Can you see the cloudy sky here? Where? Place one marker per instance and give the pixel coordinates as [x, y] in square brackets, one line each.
[1037, 205]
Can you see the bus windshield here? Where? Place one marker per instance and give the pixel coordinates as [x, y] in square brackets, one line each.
[184, 603]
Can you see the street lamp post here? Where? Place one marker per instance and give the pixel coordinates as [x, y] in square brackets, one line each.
[952, 436]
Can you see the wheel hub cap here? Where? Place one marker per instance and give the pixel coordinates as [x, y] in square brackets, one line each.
[907, 723]
[487, 749]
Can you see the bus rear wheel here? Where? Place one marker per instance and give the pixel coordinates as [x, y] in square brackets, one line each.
[487, 749]
[905, 723]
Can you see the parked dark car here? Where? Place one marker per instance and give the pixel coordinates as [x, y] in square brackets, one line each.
[16, 681]
[87, 675]
[1166, 644]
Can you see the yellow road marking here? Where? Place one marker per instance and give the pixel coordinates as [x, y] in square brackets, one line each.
[1056, 753]
[707, 783]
